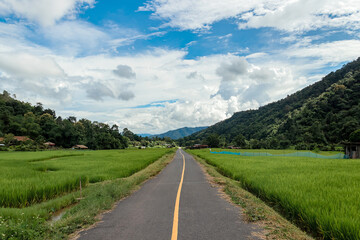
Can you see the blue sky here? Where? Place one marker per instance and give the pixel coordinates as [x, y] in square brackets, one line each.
[157, 65]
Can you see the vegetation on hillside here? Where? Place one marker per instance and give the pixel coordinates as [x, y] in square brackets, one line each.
[39, 124]
[321, 115]
[42, 125]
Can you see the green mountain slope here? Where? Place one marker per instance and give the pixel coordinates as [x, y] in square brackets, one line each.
[322, 114]
[179, 133]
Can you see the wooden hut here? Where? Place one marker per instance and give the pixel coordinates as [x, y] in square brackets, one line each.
[79, 147]
[49, 144]
[352, 149]
[199, 146]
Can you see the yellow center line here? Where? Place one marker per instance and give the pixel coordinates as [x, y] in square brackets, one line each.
[174, 234]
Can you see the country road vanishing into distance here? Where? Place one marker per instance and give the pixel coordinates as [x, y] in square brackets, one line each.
[179, 203]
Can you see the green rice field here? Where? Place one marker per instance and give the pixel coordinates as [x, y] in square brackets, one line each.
[320, 195]
[33, 177]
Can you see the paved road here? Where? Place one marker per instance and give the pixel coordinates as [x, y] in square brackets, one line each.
[150, 213]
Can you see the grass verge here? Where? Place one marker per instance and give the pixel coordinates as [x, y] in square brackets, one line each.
[97, 198]
[255, 210]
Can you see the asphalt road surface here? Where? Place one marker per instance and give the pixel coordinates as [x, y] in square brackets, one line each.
[177, 204]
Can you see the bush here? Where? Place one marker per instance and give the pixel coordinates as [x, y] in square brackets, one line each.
[339, 148]
[4, 149]
[24, 146]
[301, 146]
[316, 149]
[325, 147]
[284, 144]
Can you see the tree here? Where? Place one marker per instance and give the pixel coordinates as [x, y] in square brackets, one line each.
[273, 143]
[255, 144]
[41, 125]
[129, 134]
[213, 140]
[72, 119]
[9, 139]
[240, 141]
[33, 129]
[38, 109]
[144, 143]
[168, 140]
[355, 136]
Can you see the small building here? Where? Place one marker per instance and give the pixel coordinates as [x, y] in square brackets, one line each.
[233, 147]
[22, 138]
[199, 146]
[352, 149]
[49, 144]
[79, 147]
[18, 138]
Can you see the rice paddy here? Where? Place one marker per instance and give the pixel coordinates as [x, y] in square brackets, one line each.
[33, 177]
[320, 195]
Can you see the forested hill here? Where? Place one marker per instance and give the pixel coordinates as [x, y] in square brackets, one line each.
[179, 133]
[320, 115]
[41, 125]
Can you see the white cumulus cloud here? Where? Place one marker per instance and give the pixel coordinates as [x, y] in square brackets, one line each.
[285, 15]
[26, 65]
[43, 12]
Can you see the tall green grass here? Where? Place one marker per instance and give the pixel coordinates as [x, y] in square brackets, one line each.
[34, 222]
[321, 195]
[32, 177]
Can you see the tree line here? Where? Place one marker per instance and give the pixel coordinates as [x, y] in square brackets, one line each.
[41, 125]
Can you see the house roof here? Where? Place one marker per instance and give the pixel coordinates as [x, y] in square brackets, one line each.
[80, 146]
[18, 138]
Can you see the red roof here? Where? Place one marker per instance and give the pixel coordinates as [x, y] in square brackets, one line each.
[80, 146]
[22, 138]
[18, 138]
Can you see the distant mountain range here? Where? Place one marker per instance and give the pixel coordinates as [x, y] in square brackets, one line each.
[321, 115]
[176, 134]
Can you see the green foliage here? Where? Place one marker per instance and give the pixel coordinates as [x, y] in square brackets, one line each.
[355, 136]
[21, 228]
[23, 119]
[28, 178]
[319, 194]
[320, 115]
[130, 135]
[240, 141]
[213, 140]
